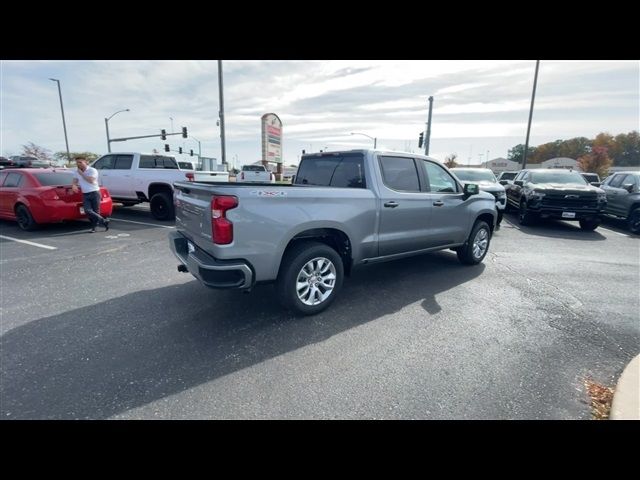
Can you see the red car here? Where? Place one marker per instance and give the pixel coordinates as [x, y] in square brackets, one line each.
[35, 196]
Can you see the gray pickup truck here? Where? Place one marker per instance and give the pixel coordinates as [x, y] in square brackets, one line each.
[343, 210]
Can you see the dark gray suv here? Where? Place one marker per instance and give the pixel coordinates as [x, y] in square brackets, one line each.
[623, 198]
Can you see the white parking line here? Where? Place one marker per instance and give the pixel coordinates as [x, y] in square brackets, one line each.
[29, 243]
[141, 223]
[618, 233]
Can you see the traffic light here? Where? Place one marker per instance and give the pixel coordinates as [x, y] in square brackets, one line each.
[166, 147]
[163, 134]
[191, 153]
[184, 132]
[179, 149]
[420, 139]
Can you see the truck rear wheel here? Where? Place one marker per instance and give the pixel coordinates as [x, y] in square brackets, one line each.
[477, 246]
[310, 277]
[162, 206]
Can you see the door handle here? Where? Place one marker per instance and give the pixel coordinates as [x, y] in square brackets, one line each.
[438, 203]
[391, 204]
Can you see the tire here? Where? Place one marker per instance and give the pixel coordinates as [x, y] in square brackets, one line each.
[25, 219]
[477, 246]
[300, 262]
[633, 221]
[589, 225]
[524, 217]
[162, 206]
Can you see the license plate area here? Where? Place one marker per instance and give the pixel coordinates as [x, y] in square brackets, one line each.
[568, 214]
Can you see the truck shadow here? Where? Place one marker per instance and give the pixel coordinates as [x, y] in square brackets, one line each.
[98, 361]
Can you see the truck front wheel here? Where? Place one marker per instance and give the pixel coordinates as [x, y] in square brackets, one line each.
[477, 246]
[310, 277]
[162, 206]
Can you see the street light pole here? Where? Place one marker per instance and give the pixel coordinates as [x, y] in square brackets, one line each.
[172, 130]
[199, 150]
[106, 124]
[222, 145]
[64, 123]
[375, 140]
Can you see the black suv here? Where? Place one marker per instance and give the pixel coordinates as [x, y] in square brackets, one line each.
[556, 193]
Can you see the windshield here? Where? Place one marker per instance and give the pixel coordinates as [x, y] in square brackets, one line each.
[185, 165]
[54, 178]
[508, 175]
[591, 177]
[565, 178]
[474, 175]
[254, 168]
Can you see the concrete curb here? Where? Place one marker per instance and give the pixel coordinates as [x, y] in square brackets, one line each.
[626, 399]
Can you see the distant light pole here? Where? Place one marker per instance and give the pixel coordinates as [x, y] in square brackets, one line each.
[64, 124]
[199, 150]
[375, 140]
[172, 130]
[106, 124]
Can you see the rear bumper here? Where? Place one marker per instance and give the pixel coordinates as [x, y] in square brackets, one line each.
[209, 271]
[52, 211]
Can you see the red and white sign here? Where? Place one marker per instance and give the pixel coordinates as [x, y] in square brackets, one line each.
[271, 138]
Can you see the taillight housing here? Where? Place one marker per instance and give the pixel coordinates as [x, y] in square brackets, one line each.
[221, 227]
[190, 177]
[50, 194]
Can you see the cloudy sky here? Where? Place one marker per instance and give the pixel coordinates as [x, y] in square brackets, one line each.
[480, 107]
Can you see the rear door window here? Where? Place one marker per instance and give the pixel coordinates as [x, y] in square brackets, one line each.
[123, 162]
[345, 171]
[13, 180]
[400, 173]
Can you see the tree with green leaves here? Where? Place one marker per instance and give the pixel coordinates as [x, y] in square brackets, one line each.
[629, 150]
[516, 154]
[61, 157]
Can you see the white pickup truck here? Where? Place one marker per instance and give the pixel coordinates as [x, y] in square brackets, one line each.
[256, 173]
[196, 175]
[133, 178]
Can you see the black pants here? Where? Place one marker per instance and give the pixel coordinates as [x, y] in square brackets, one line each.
[91, 204]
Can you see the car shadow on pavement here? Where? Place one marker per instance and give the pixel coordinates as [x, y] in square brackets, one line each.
[104, 359]
[555, 229]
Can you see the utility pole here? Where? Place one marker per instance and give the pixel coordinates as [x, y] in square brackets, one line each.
[428, 137]
[220, 87]
[64, 123]
[533, 97]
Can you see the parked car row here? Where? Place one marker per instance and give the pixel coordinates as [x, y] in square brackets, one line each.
[21, 161]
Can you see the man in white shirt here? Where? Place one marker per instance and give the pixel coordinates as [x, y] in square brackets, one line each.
[86, 178]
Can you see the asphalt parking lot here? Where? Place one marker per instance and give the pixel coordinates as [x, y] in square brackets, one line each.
[102, 325]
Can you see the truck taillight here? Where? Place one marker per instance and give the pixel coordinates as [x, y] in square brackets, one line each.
[190, 177]
[221, 227]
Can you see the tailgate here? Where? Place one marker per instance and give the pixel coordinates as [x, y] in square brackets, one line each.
[193, 210]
